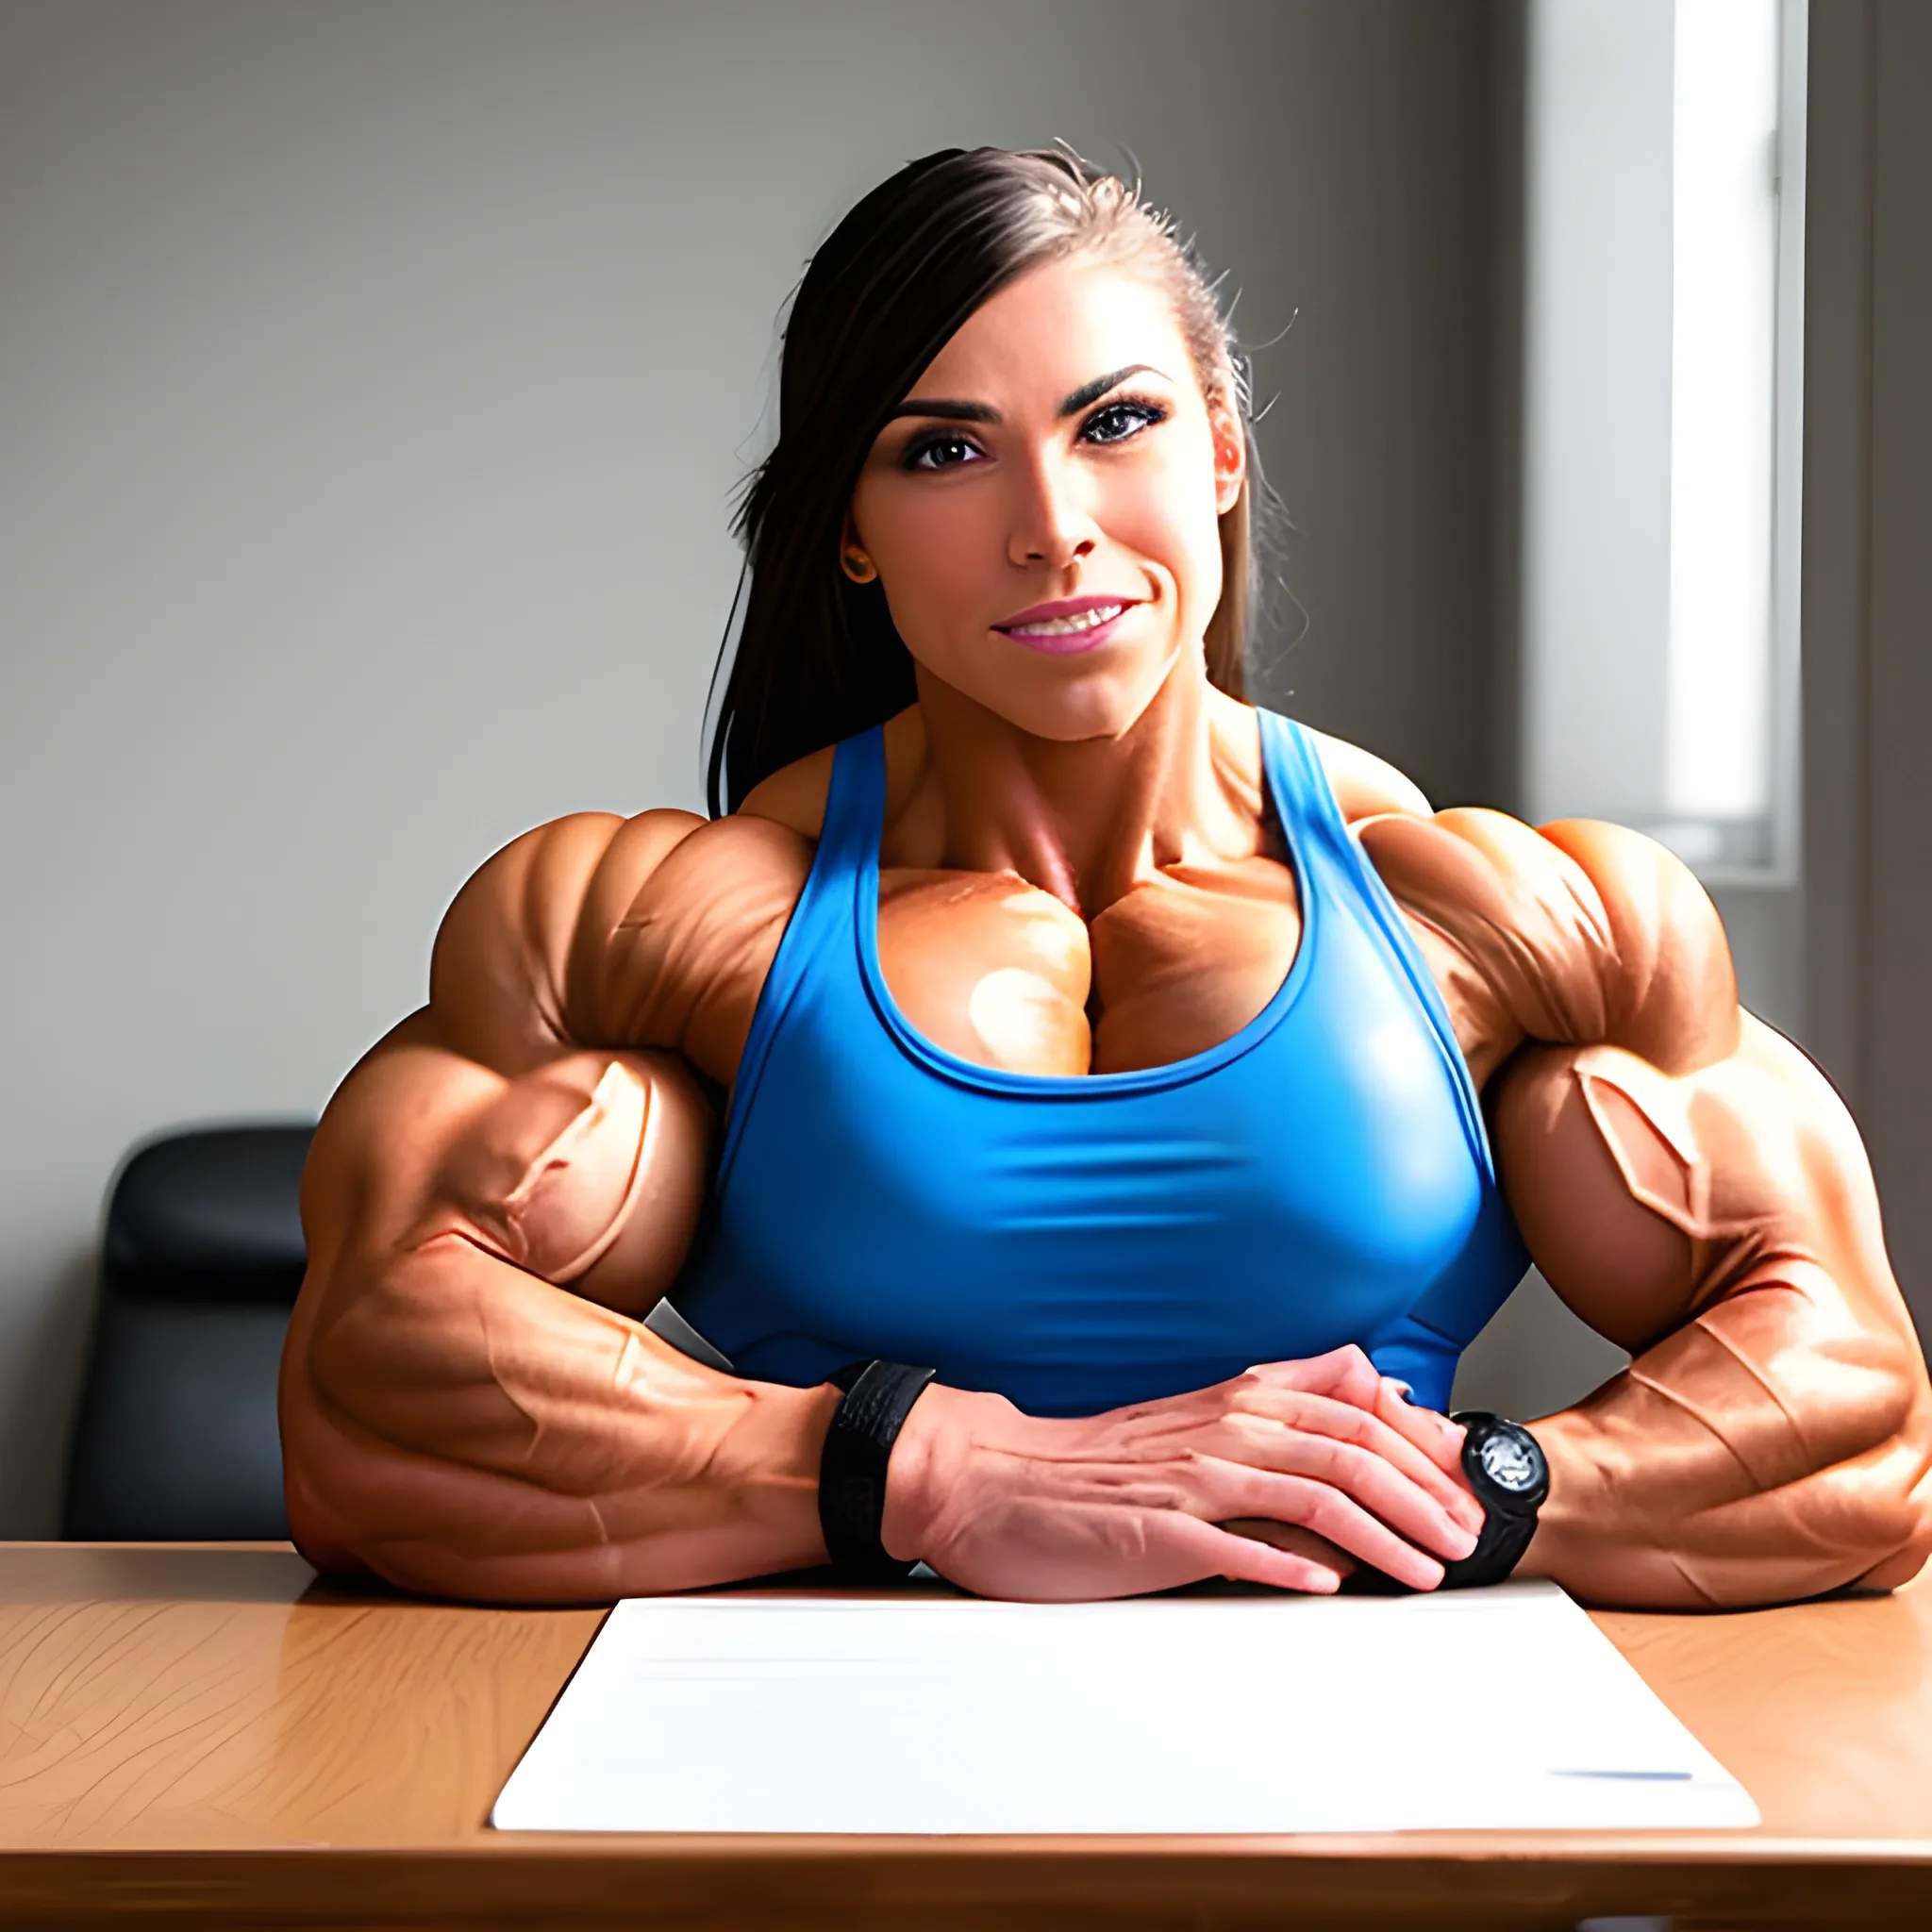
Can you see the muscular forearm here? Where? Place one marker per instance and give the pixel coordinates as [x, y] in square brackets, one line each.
[1773, 1436]
[1773, 1448]
[464, 1428]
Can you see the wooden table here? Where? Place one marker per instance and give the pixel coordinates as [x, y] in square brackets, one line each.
[209, 1737]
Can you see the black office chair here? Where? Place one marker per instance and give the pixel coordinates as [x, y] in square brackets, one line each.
[176, 1436]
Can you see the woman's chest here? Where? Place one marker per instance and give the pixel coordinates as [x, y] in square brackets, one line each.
[1005, 975]
[1315, 1185]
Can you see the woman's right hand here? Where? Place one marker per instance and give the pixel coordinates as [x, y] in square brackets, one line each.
[1136, 1499]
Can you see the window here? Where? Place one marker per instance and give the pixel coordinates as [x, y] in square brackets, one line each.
[1664, 252]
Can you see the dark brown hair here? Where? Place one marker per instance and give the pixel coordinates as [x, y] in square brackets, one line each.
[818, 657]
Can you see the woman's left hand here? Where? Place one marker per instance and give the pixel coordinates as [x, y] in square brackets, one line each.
[1444, 1446]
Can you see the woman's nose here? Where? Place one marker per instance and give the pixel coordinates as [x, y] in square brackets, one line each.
[1051, 524]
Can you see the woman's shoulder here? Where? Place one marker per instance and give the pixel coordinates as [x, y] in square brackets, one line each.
[795, 795]
[1366, 787]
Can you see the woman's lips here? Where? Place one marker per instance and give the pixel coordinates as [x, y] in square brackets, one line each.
[1074, 624]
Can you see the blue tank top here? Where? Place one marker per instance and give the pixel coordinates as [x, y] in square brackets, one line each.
[1075, 1243]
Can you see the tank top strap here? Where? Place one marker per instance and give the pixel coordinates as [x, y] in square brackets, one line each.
[818, 941]
[855, 807]
[1306, 803]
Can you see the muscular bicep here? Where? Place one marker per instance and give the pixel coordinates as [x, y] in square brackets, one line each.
[495, 1116]
[585, 1170]
[1648, 1198]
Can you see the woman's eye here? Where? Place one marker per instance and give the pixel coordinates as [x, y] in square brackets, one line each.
[941, 453]
[1116, 421]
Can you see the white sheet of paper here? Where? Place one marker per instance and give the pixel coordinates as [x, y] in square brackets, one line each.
[1502, 1708]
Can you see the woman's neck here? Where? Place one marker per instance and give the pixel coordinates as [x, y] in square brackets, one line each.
[1086, 820]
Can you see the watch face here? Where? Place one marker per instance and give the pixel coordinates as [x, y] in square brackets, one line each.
[1510, 1461]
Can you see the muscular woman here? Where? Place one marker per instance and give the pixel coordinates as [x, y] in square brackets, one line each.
[1168, 1078]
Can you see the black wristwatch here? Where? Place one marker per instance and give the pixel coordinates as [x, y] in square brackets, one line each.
[1506, 1468]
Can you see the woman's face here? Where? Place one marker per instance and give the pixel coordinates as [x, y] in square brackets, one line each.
[1043, 510]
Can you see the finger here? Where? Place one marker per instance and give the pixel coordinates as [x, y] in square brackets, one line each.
[1212, 1551]
[1295, 1540]
[1432, 1432]
[1173, 1549]
[1346, 1374]
[1370, 1480]
[1323, 1415]
[1432, 1436]
[1233, 1489]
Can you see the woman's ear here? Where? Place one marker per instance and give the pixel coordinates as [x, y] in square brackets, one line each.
[1230, 454]
[853, 558]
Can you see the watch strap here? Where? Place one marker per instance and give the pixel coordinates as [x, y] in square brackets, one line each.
[1497, 1551]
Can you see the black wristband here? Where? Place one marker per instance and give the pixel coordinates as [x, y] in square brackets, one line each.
[851, 1472]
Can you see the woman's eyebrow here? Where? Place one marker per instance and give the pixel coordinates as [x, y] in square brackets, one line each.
[1092, 391]
[945, 410]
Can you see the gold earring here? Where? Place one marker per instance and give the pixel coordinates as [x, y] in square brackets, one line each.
[858, 566]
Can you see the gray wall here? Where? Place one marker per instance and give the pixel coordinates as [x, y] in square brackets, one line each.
[374, 377]
[1868, 596]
